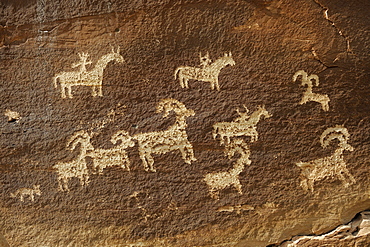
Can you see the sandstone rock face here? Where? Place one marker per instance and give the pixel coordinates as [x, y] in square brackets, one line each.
[183, 123]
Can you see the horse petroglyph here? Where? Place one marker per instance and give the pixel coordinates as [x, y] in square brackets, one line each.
[174, 138]
[92, 78]
[115, 156]
[23, 192]
[323, 99]
[208, 73]
[244, 125]
[219, 180]
[332, 166]
[77, 167]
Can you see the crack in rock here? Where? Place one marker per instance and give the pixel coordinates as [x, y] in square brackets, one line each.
[357, 227]
[326, 16]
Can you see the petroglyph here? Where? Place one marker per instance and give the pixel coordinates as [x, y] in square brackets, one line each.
[244, 125]
[92, 78]
[77, 167]
[12, 115]
[208, 73]
[115, 156]
[332, 166]
[23, 192]
[323, 99]
[219, 180]
[174, 138]
[267, 208]
[235, 208]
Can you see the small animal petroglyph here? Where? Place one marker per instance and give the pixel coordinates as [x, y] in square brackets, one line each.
[174, 138]
[208, 73]
[23, 192]
[242, 126]
[77, 167]
[323, 99]
[332, 166]
[219, 180]
[115, 156]
[12, 115]
[92, 78]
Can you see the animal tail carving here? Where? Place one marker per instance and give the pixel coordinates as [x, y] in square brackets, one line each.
[55, 78]
[177, 71]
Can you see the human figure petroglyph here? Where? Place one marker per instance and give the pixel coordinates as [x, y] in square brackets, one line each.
[30, 192]
[116, 156]
[244, 125]
[82, 64]
[77, 167]
[92, 78]
[208, 72]
[219, 180]
[205, 61]
[174, 138]
[323, 99]
[332, 166]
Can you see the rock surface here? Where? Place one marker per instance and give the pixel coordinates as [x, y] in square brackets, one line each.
[103, 144]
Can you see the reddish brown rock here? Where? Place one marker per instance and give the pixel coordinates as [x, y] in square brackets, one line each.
[278, 175]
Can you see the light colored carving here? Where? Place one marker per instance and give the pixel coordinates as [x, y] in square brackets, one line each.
[267, 208]
[237, 208]
[208, 73]
[323, 99]
[242, 126]
[219, 180]
[174, 138]
[332, 166]
[12, 115]
[23, 192]
[77, 167]
[115, 156]
[92, 78]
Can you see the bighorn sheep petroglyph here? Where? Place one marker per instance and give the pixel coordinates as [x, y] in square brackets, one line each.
[115, 156]
[208, 72]
[77, 167]
[92, 78]
[219, 180]
[242, 126]
[174, 138]
[332, 166]
[323, 99]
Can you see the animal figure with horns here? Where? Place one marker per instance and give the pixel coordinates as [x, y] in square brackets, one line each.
[208, 73]
[323, 99]
[332, 166]
[219, 180]
[174, 138]
[76, 168]
[92, 78]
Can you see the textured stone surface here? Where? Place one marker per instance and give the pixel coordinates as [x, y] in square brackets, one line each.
[258, 197]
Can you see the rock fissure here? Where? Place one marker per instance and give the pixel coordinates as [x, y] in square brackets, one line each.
[339, 31]
[358, 227]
